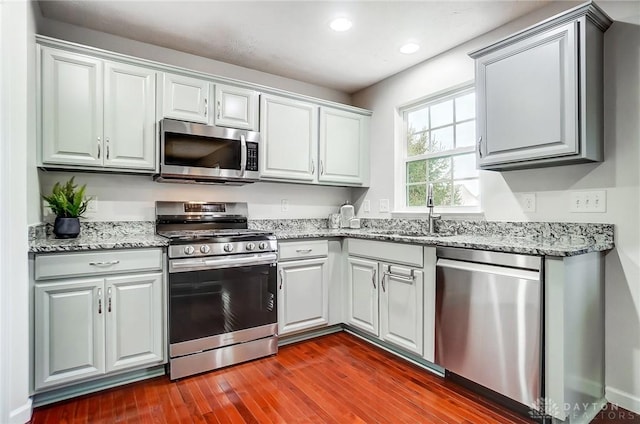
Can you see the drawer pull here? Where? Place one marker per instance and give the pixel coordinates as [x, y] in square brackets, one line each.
[304, 250]
[109, 263]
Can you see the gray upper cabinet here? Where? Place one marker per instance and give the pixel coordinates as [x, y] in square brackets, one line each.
[539, 94]
[96, 114]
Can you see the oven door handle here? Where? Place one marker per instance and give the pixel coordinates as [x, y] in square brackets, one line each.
[177, 265]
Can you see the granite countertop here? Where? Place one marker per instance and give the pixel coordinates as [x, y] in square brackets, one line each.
[569, 245]
[532, 238]
[97, 236]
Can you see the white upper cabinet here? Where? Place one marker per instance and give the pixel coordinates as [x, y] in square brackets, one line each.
[289, 133]
[185, 98]
[71, 96]
[539, 94]
[236, 107]
[129, 116]
[96, 114]
[344, 147]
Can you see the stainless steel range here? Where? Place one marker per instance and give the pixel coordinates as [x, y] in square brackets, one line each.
[222, 286]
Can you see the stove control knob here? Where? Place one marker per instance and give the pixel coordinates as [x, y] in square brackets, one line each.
[228, 247]
[205, 249]
[251, 246]
[189, 250]
[262, 245]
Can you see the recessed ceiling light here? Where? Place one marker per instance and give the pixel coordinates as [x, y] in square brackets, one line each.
[340, 24]
[409, 48]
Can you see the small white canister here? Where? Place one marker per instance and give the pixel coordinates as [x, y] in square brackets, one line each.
[334, 220]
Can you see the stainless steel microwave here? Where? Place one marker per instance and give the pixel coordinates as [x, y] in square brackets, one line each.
[198, 153]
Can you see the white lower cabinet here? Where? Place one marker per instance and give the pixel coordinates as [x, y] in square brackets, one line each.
[303, 287]
[88, 327]
[386, 299]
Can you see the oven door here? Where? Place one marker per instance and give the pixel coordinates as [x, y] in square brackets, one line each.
[197, 151]
[229, 304]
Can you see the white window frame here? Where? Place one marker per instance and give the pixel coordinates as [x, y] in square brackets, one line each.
[401, 159]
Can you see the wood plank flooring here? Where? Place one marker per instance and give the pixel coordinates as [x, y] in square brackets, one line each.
[332, 379]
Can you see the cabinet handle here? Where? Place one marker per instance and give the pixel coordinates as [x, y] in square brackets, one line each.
[373, 279]
[109, 299]
[480, 147]
[408, 278]
[109, 263]
[99, 144]
[313, 167]
[107, 140]
[281, 278]
[304, 250]
[99, 301]
[321, 167]
[219, 109]
[206, 106]
[384, 274]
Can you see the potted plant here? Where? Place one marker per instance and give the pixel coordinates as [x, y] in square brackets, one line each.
[67, 201]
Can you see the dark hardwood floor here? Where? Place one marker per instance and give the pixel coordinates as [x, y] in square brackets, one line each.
[332, 379]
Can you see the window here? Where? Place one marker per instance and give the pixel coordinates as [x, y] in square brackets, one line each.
[439, 148]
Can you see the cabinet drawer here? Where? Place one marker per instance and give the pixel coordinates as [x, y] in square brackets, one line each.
[89, 263]
[399, 253]
[303, 249]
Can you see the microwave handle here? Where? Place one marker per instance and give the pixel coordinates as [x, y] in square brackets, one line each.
[243, 154]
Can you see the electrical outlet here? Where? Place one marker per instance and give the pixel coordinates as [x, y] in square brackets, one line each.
[366, 206]
[284, 205]
[92, 207]
[588, 201]
[384, 205]
[528, 202]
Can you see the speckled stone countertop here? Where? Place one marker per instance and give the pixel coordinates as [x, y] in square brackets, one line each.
[533, 238]
[97, 236]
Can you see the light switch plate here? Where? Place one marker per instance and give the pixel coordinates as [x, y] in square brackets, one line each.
[588, 201]
[284, 205]
[528, 202]
[384, 205]
[366, 206]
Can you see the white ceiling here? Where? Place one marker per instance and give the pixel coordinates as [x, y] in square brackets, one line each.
[292, 38]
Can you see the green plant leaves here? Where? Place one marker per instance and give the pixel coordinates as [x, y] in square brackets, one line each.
[67, 202]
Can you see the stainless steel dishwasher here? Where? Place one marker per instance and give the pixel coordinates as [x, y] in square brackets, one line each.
[489, 320]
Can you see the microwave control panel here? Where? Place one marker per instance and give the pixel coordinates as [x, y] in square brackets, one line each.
[252, 156]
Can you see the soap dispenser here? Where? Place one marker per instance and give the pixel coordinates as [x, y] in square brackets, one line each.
[346, 213]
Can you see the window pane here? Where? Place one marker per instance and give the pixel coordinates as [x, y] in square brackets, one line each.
[464, 166]
[466, 134]
[417, 171]
[417, 144]
[441, 139]
[417, 195]
[467, 193]
[418, 120]
[442, 194]
[442, 114]
[439, 169]
[466, 107]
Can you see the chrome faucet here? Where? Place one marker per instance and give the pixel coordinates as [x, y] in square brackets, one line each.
[432, 217]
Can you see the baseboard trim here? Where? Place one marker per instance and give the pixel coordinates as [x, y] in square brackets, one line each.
[64, 393]
[22, 414]
[623, 399]
[309, 334]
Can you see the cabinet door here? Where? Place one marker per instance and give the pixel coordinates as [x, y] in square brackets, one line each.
[71, 94]
[362, 296]
[343, 147]
[69, 331]
[129, 121]
[401, 307]
[289, 131]
[527, 99]
[303, 295]
[185, 98]
[236, 107]
[134, 321]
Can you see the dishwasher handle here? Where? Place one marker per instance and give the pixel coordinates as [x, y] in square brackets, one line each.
[524, 274]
